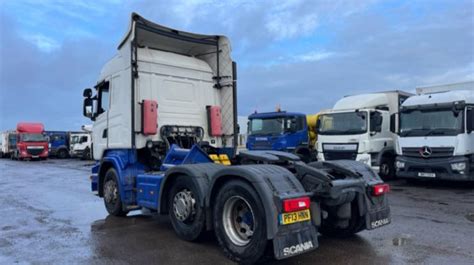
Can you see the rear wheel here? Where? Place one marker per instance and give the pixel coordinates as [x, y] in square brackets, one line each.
[112, 199]
[186, 215]
[62, 153]
[239, 222]
[87, 154]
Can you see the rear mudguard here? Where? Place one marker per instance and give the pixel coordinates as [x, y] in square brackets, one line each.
[336, 183]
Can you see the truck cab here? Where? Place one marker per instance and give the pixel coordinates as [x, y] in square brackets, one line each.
[360, 128]
[436, 139]
[31, 142]
[280, 131]
[80, 145]
[58, 143]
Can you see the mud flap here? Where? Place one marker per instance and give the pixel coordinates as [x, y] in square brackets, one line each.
[294, 240]
[378, 212]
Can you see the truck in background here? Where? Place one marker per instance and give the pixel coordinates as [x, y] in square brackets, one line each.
[31, 142]
[8, 143]
[361, 128]
[436, 139]
[283, 131]
[81, 145]
[167, 139]
[58, 143]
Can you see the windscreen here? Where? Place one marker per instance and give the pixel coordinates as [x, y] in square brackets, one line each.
[431, 122]
[343, 123]
[276, 125]
[33, 137]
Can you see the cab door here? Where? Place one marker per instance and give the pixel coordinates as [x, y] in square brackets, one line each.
[100, 131]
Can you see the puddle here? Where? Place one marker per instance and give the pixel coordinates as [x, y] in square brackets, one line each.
[470, 217]
[401, 240]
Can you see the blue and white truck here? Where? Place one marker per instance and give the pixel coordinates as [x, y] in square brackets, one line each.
[436, 138]
[164, 115]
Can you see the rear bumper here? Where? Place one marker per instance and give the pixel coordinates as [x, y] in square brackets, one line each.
[437, 168]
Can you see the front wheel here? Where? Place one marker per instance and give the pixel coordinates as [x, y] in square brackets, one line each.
[186, 214]
[62, 153]
[239, 222]
[387, 168]
[112, 199]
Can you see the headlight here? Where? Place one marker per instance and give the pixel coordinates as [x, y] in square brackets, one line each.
[365, 160]
[400, 164]
[458, 166]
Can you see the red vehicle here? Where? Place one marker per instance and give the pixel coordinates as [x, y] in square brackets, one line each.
[31, 141]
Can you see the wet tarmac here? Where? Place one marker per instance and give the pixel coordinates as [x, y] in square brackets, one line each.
[50, 216]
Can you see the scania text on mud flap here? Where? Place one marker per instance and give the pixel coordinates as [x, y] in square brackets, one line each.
[188, 168]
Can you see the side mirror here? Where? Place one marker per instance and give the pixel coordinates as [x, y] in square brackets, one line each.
[87, 108]
[87, 93]
[393, 123]
[318, 125]
[469, 120]
[376, 121]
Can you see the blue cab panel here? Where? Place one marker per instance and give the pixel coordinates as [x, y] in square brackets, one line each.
[270, 137]
[148, 189]
[177, 156]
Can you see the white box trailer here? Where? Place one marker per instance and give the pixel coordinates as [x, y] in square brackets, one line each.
[360, 127]
[8, 143]
[436, 139]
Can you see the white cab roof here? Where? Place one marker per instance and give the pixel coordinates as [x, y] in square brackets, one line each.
[442, 97]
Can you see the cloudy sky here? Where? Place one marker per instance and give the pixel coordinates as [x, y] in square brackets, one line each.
[303, 55]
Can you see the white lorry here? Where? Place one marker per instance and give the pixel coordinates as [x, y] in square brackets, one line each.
[8, 143]
[81, 143]
[436, 138]
[360, 127]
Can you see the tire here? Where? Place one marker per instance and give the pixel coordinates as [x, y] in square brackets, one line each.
[234, 235]
[356, 224]
[62, 153]
[186, 215]
[87, 154]
[387, 168]
[112, 200]
[304, 154]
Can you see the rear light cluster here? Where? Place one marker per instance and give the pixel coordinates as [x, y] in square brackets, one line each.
[380, 189]
[296, 204]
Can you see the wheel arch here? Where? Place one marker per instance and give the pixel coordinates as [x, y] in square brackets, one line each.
[386, 152]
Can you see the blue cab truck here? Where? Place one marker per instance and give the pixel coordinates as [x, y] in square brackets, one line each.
[165, 131]
[58, 143]
[280, 131]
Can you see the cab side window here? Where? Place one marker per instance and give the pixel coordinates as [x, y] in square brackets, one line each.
[104, 97]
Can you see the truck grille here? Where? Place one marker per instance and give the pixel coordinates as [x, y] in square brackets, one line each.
[436, 152]
[338, 155]
[35, 151]
[262, 146]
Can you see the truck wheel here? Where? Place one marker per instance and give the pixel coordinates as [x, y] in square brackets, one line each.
[62, 153]
[112, 200]
[239, 222]
[186, 215]
[387, 168]
[356, 224]
[87, 154]
[304, 154]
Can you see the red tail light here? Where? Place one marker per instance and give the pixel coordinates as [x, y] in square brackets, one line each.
[297, 204]
[380, 189]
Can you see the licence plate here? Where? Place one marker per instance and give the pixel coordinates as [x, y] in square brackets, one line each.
[295, 217]
[426, 175]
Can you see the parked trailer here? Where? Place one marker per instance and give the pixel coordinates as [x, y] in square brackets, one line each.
[436, 139]
[283, 131]
[31, 142]
[8, 143]
[167, 138]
